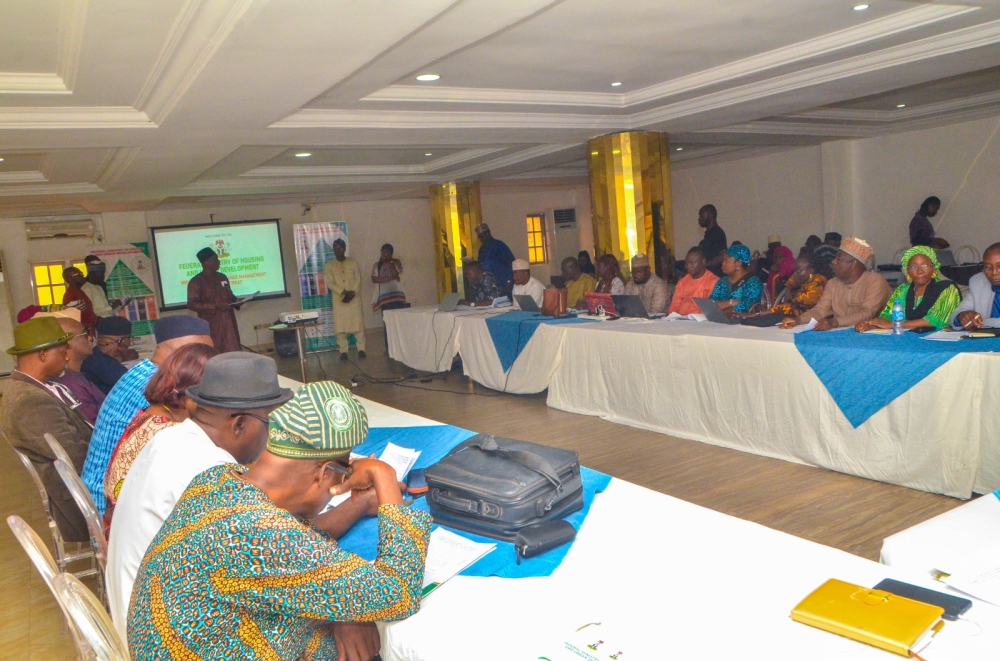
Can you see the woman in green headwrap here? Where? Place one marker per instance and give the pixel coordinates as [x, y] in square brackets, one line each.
[928, 300]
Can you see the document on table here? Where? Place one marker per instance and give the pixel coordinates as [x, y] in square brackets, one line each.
[804, 327]
[401, 459]
[447, 555]
[694, 316]
[978, 575]
[945, 336]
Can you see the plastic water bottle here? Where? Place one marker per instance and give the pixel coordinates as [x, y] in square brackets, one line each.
[898, 316]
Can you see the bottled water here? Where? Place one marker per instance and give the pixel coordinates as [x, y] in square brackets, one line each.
[898, 316]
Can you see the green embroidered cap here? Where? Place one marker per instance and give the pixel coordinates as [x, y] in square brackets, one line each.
[322, 421]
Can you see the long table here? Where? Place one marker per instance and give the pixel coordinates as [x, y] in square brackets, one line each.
[675, 579]
[425, 338]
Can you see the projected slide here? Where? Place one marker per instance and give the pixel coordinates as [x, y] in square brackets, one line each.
[250, 254]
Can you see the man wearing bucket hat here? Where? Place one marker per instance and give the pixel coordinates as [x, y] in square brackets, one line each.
[227, 425]
[32, 406]
[277, 582]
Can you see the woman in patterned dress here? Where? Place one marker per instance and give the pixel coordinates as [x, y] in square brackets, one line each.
[738, 292]
[165, 394]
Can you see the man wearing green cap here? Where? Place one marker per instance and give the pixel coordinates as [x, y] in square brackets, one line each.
[32, 405]
[239, 570]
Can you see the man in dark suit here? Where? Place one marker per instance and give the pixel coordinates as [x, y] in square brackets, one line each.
[32, 405]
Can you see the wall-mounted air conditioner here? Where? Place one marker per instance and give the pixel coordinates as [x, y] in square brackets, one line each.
[564, 218]
[62, 227]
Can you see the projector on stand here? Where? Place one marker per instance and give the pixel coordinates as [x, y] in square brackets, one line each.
[300, 317]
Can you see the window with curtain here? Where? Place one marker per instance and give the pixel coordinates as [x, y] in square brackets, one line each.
[537, 244]
[47, 280]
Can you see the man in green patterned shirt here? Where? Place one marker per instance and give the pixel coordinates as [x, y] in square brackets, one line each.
[238, 570]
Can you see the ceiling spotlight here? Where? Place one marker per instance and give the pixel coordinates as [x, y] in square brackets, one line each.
[860, 7]
[303, 154]
[1, 159]
[900, 105]
[428, 77]
[616, 84]
[680, 149]
[428, 154]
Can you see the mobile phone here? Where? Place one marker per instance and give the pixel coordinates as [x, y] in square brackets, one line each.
[953, 606]
[416, 485]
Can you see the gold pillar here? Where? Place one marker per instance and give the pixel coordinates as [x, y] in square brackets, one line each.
[455, 212]
[630, 198]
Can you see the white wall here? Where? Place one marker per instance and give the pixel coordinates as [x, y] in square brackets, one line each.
[868, 187]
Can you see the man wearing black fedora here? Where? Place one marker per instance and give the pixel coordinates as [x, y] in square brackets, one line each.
[227, 425]
[32, 406]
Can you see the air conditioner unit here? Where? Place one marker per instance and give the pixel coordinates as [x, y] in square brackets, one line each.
[60, 228]
[564, 218]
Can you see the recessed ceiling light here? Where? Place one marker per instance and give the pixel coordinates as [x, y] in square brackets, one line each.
[593, 153]
[900, 105]
[428, 154]
[860, 7]
[680, 149]
[1, 159]
[303, 154]
[616, 84]
[428, 77]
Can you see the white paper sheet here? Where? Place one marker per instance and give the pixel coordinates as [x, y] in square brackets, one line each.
[401, 459]
[694, 316]
[804, 327]
[945, 336]
[448, 554]
[978, 575]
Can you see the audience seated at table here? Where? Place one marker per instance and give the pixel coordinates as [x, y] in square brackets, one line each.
[982, 305]
[738, 290]
[586, 266]
[812, 242]
[699, 282]
[609, 274]
[651, 289]
[803, 289]
[280, 586]
[104, 365]
[826, 252]
[167, 407]
[856, 294]
[782, 265]
[928, 300]
[525, 284]
[577, 283]
[483, 286]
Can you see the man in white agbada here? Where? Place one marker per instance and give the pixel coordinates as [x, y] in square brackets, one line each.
[343, 279]
[525, 284]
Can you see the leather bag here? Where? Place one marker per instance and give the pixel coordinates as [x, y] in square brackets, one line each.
[554, 302]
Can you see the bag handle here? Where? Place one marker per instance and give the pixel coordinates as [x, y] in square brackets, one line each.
[527, 459]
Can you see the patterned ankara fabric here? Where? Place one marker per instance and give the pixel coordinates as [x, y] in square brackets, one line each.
[324, 420]
[747, 293]
[123, 402]
[232, 576]
[138, 433]
[485, 291]
[940, 311]
[802, 298]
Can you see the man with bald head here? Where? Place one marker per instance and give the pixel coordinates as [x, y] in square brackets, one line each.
[127, 398]
[81, 346]
[981, 308]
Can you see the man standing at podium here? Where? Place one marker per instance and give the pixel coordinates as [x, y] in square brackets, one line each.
[210, 295]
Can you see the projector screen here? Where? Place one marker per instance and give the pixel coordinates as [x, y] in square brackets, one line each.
[249, 251]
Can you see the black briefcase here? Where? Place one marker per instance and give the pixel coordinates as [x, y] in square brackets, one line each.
[496, 486]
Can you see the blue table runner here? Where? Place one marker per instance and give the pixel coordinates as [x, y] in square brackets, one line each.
[510, 332]
[865, 372]
[434, 442]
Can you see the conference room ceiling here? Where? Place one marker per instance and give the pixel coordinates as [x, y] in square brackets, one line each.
[116, 105]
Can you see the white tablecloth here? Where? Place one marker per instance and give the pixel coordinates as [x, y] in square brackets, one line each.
[749, 389]
[680, 581]
[426, 339]
[941, 543]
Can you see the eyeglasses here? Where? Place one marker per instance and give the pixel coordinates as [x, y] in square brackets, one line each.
[251, 415]
[919, 267]
[338, 468]
[83, 334]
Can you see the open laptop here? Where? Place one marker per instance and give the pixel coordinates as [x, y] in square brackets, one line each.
[526, 303]
[713, 312]
[449, 302]
[630, 306]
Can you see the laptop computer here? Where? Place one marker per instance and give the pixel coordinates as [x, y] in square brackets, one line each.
[630, 306]
[605, 301]
[526, 303]
[713, 312]
[449, 302]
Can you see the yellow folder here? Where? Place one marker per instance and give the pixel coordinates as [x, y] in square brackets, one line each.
[870, 616]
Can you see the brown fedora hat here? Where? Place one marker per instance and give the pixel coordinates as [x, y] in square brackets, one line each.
[38, 334]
